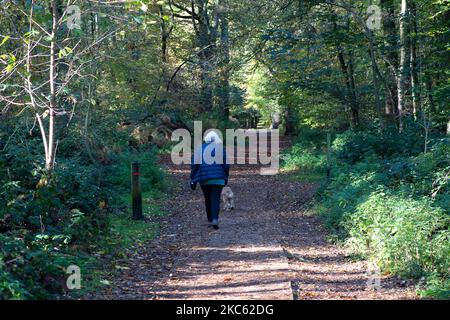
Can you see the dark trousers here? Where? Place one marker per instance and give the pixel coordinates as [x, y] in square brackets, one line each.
[212, 200]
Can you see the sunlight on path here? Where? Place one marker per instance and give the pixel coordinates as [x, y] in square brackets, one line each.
[239, 261]
[267, 248]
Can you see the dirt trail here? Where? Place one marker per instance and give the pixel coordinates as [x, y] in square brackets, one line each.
[268, 248]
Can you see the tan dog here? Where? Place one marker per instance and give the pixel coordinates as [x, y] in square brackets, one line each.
[228, 199]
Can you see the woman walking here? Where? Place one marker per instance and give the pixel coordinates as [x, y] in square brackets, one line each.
[210, 168]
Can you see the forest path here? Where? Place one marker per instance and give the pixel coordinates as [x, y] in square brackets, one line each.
[269, 247]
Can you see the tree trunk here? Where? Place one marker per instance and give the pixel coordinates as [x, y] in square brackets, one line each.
[165, 33]
[390, 34]
[50, 159]
[402, 70]
[29, 86]
[414, 65]
[347, 72]
[225, 63]
[206, 37]
[378, 80]
[205, 28]
[429, 90]
[354, 97]
[376, 83]
[206, 94]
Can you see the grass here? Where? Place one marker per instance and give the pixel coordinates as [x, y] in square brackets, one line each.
[124, 235]
[299, 174]
[378, 202]
[111, 253]
[128, 233]
[306, 160]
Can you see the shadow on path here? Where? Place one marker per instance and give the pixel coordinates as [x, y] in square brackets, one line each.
[268, 248]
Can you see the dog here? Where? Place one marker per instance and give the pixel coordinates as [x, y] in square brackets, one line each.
[228, 199]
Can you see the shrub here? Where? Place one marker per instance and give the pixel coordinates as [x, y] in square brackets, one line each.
[392, 204]
[354, 146]
[306, 155]
[117, 176]
[405, 236]
[48, 223]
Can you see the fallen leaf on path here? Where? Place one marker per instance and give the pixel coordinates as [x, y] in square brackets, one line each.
[105, 282]
[122, 268]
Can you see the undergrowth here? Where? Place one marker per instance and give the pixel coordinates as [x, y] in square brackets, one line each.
[80, 215]
[387, 200]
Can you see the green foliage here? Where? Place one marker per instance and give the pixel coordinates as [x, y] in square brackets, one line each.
[126, 234]
[261, 96]
[391, 204]
[406, 236]
[49, 222]
[38, 228]
[387, 200]
[135, 63]
[306, 157]
[10, 287]
[354, 146]
[437, 288]
[117, 176]
[312, 110]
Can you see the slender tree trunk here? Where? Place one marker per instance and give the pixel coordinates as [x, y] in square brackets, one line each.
[50, 160]
[414, 65]
[166, 30]
[429, 92]
[29, 85]
[390, 36]
[353, 92]
[350, 85]
[206, 40]
[206, 94]
[402, 70]
[87, 143]
[165, 33]
[225, 63]
[376, 84]
[379, 81]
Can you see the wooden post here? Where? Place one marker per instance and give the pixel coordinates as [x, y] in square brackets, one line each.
[328, 155]
[136, 192]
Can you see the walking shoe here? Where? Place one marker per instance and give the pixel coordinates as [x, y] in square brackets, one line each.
[215, 224]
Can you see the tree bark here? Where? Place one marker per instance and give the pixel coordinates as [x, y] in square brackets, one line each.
[224, 86]
[390, 34]
[402, 70]
[376, 83]
[29, 86]
[165, 33]
[414, 65]
[347, 72]
[354, 97]
[429, 92]
[50, 159]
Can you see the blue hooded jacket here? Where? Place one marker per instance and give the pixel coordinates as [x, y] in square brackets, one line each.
[204, 171]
